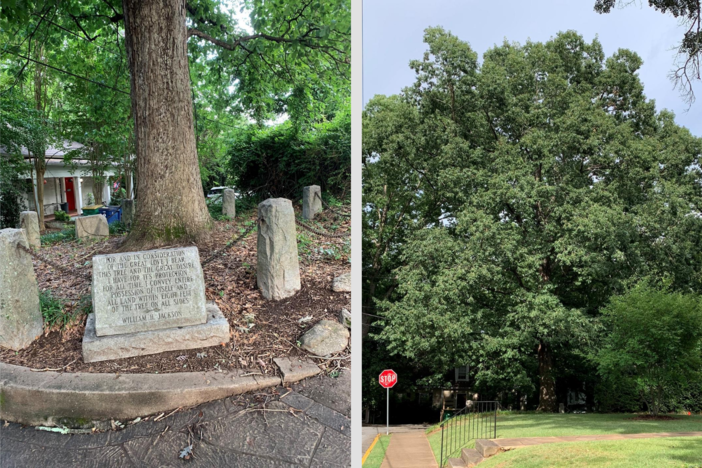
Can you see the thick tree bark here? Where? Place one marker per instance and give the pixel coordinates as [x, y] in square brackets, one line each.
[171, 199]
[547, 385]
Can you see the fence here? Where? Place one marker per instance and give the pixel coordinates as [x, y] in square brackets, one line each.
[478, 420]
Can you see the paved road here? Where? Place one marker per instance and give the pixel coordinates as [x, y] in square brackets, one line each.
[307, 427]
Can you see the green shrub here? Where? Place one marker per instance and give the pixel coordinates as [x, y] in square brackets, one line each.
[60, 215]
[279, 161]
[215, 210]
[654, 343]
[118, 228]
[11, 200]
[243, 206]
[117, 197]
[65, 235]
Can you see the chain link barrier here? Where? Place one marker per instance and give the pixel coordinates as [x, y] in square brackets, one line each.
[339, 213]
[230, 243]
[88, 276]
[51, 263]
[321, 233]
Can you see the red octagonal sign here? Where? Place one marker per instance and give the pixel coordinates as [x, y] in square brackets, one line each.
[387, 378]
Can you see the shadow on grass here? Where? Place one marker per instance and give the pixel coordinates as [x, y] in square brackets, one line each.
[516, 425]
[631, 453]
[554, 425]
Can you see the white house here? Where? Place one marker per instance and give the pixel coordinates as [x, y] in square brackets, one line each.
[64, 183]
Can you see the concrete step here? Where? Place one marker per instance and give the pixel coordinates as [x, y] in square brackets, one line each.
[471, 457]
[456, 463]
[486, 447]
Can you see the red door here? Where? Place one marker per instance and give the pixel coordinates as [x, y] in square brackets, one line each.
[70, 196]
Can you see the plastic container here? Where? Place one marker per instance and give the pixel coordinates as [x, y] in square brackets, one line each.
[91, 210]
[112, 213]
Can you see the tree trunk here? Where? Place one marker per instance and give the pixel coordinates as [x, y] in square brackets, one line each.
[547, 386]
[40, 153]
[171, 199]
[98, 188]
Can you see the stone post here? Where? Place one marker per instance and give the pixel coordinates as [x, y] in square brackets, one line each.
[128, 211]
[278, 272]
[229, 203]
[94, 226]
[29, 222]
[311, 201]
[21, 321]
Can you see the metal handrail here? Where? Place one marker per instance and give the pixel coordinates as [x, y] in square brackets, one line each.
[477, 420]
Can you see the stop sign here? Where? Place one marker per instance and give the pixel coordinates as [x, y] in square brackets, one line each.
[387, 378]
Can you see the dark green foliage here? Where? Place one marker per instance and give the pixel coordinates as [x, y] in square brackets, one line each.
[506, 202]
[11, 200]
[19, 127]
[653, 345]
[118, 228]
[60, 215]
[244, 205]
[117, 197]
[55, 237]
[216, 211]
[279, 161]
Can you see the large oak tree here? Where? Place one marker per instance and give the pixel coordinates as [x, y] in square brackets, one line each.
[259, 70]
[507, 201]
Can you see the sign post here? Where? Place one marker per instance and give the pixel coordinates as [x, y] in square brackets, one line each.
[387, 380]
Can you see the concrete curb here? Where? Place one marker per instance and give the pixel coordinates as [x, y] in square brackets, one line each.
[78, 399]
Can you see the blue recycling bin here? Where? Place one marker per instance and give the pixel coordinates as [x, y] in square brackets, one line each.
[112, 213]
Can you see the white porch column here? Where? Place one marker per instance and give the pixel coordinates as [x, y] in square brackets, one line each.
[131, 184]
[106, 191]
[36, 198]
[78, 193]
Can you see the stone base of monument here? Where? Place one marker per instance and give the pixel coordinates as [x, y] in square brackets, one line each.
[103, 348]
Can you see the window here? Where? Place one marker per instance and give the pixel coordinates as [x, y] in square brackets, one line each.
[462, 373]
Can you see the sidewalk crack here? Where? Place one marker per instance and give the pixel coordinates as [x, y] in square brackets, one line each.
[316, 446]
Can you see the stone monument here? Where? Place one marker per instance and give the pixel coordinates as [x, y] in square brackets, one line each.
[150, 302]
[21, 321]
[278, 272]
[29, 222]
[311, 201]
[128, 211]
[229, 203]
[94, 226]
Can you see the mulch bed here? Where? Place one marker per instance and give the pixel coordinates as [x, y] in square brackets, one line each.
[261, 329]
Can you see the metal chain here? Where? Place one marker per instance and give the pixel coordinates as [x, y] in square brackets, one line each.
[316, 194]
[41, 258]
[218, 251]
[321, 233]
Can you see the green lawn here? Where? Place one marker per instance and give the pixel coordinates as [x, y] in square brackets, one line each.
[683, 452]
[375, 458]
[553, 425]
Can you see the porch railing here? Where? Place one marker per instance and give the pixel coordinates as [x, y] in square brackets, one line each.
[478, 420]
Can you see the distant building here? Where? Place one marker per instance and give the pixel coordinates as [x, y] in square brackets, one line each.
[65, 184]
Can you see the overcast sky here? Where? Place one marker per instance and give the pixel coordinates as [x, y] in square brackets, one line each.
[393, 31]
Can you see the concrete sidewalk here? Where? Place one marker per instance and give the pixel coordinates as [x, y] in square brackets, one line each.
[409, 450]
[368, 433]
[309, 427]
